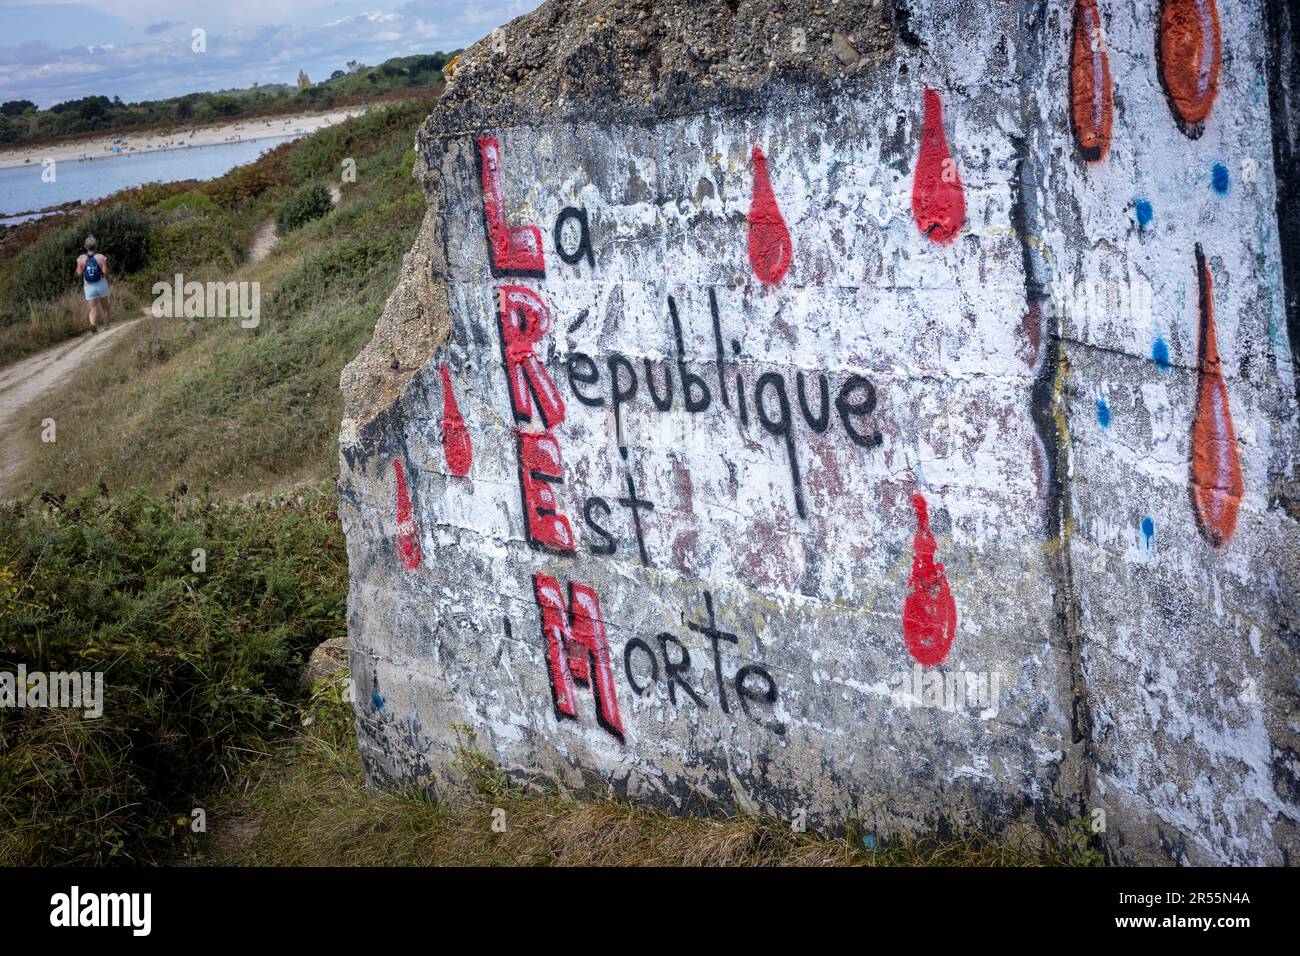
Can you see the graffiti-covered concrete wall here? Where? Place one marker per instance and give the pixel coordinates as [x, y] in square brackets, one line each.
[847, 413]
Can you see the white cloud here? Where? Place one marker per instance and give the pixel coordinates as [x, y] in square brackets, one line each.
[257, 43]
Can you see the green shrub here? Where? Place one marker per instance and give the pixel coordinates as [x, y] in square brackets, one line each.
[191, 200]
[201, 243]
[122, 232]
[46, 269]
[198, 666]
[308, 203]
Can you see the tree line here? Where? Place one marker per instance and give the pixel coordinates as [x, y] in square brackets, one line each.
[21, 121]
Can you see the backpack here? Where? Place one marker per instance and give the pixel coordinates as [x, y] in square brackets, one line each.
[92, 273]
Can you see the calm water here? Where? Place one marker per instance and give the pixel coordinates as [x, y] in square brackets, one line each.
[22, 189]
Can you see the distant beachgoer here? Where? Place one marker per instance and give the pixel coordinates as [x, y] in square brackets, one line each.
[92, 267]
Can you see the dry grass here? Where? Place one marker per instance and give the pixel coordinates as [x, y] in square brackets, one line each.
[66, 317]
[306, 805]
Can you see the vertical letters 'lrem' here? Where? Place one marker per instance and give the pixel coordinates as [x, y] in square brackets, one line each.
[577, 651]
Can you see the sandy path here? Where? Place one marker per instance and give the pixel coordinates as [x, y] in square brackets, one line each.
[24, 383]
[263, 242]
[265, 238]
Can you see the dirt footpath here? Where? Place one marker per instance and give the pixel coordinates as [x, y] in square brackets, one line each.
[24, 383]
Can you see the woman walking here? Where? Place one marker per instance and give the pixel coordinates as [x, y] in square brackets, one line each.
[92, 267]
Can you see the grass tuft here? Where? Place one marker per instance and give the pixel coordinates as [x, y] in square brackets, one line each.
[307, 805]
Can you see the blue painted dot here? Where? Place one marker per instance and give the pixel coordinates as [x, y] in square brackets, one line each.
[376, 700]
[1160, 353]
[1148, 529]
[1144, 212]
[1220, 179]
[869, 841]
[1103, 413]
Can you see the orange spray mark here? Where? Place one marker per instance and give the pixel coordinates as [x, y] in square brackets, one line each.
[1091, 96]
[1188, 49]
[1217, 486]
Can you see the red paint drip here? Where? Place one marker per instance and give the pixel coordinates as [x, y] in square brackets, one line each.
[770, 248]
[938, 201]
[1216, 484]
[929, 612]
[408, 536]
[456, 444]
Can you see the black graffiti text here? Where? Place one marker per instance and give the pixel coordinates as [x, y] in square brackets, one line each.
[754, 687]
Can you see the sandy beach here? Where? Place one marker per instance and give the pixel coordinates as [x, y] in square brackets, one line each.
[111, 145]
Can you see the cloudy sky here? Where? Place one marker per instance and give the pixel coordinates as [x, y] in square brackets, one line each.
[142, 49]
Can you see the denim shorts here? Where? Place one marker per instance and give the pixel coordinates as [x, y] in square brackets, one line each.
[95, 290]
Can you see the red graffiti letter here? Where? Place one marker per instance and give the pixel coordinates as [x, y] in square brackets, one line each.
[539, 468]
[576, 649]
[513, 250]
[524, 320]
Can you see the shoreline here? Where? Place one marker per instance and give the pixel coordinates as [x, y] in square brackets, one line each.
[166, 139]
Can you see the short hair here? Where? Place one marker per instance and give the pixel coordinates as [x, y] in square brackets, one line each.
[90, 243]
